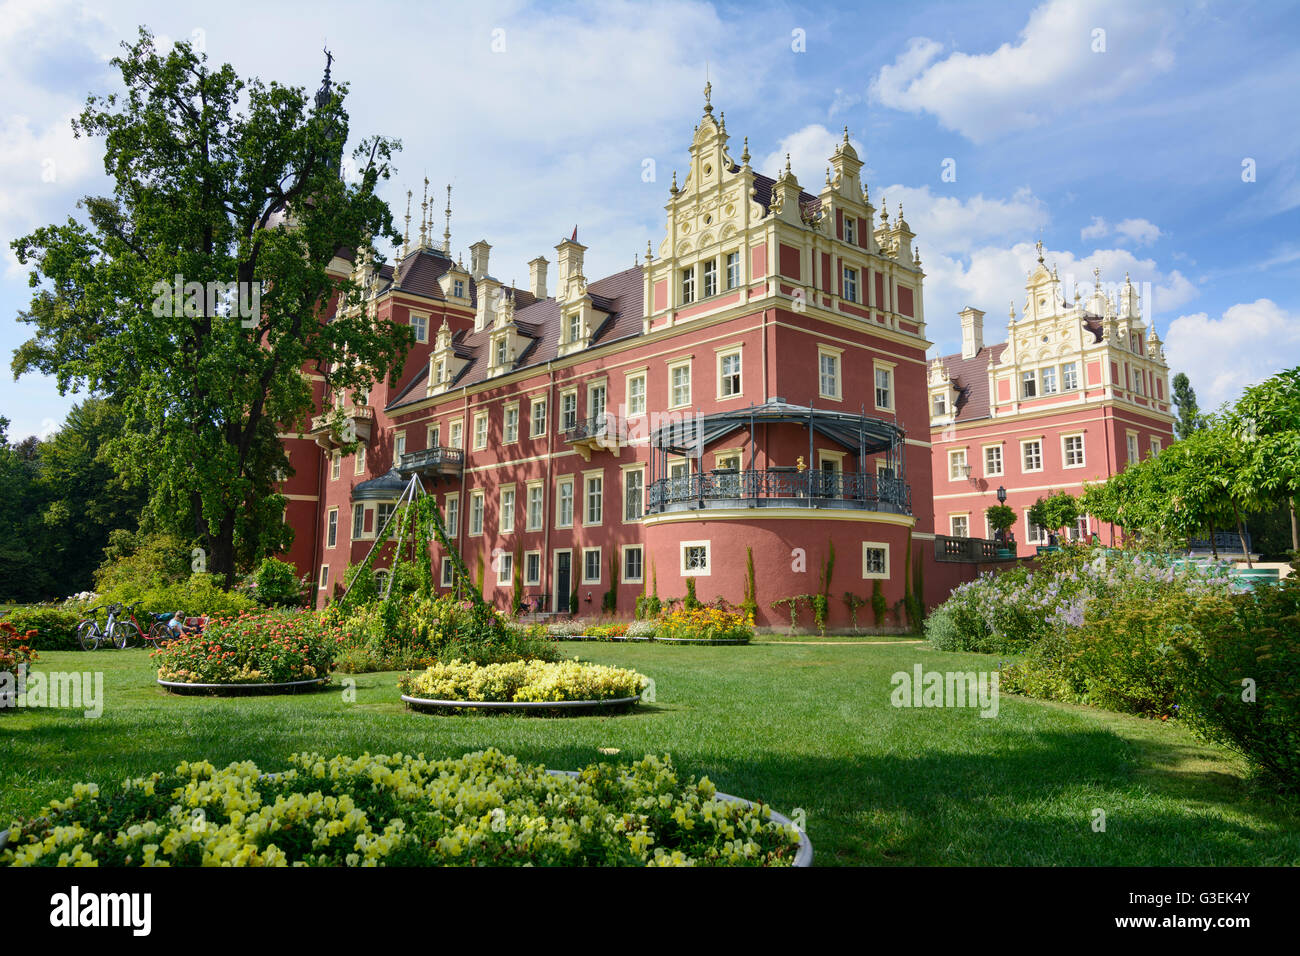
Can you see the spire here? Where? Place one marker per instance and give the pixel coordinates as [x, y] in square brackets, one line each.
[446, 232]
[323, 94]
[787, 164]
[1039, 244]
[424, 216]
[708, 96]
[649, 255]
[1012, 313]
[744, 156]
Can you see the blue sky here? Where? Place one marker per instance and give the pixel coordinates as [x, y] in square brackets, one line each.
[1122, 149]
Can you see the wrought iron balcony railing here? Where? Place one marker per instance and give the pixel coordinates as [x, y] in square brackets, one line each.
[773, 487]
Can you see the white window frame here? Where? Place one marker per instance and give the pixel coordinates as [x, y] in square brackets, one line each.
[359, 461]
[323, 578]
[964, 518]
[535, 490]
[506, 513]
[733, 269]
[399, 446]
[422, 330]
[1002, 463]
[1131, 446]
[957, 461]
[836, 356]
[1046, 373]
[451, 514]
[477, 513]
[868, 574]
[529, 580]
[358, 527]
[336, 466]
[509, 434]
[566, 423]
[456, 433]
[709, 271]
[1065, 451]
[446, 576]
[639, 472]
[505, 562]
[570, 482]
[636, 405]
[686, 285]
[535, 420]
[891, 384]
[1030, 538]
[1041, 462]
[626, 578]
[332, 528]
[1029, 384]
[739, 375]
[703, 572]
[481, 434]
[600, 566]
[587, 478]
[1069, 372]
[850, 282]
[673, 386]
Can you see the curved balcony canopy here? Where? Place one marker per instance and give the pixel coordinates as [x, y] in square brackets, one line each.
[780, 485]
[387, 487]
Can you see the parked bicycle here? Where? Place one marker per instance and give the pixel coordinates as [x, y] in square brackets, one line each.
[90, 634]
[127, 626]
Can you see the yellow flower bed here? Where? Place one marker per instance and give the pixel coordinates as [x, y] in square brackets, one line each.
[706, 624]
[523, 681]
[481, 809]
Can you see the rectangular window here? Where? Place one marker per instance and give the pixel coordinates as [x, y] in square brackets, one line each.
[992, 460]
[729, 374]
[596, 402]
[399, 446]
[1028, 384]
[851, 230]
[451, 518]
[1155, 447]
[850, 284]
[680, 379]
[960, 526]
[532, 568]
[1049, 380]
[433, 436]
[568, 411]
[733, 269]
[539, 418]
[507, 510]
[633, 494]
[439, 372]
[591, 565]
[502, 351]
[360, 465]
[564, 503]
[957, 467]
[1032, 452]
[695, 558]
[1069, 376]
[633, 564]
[828, 378]
[336, 466]
[1034, 534]
[505, 567]
[383, 513]
[688, 285]
[420, 326]
[476, 512]
[574, 333]
[457, 434]
[358, 520]
[1072, 451]
[458, 288]
[710, 278]
[535, 496]
[595, 499]
[1132, 446]
[884, 388]
[480, 431]
[636, 395]
[939, 405]
[446, 575]
[332, 535]
[324, 580]
[875, 560]
[511, 426]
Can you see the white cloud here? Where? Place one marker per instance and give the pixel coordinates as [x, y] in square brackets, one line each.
[1140, 231]
[1053, 67]
[948, 225]
[1098, 229]
[1222, 356]
[810, 151]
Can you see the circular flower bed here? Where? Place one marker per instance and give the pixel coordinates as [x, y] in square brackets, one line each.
[265, 650]
[483, 809]
[523, 682]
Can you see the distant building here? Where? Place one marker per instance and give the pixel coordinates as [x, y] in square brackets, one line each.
[1076, 392]
[757, 382]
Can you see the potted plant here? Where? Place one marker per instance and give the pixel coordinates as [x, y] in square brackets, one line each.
[1001, 519]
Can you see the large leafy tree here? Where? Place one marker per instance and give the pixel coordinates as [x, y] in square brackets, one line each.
[1266, 419]
[216, 180]
[23, 575]
[1189, 416]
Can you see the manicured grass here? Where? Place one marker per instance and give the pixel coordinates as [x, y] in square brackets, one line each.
[807, 727]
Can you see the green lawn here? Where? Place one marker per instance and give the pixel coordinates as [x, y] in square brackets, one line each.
[807, 727]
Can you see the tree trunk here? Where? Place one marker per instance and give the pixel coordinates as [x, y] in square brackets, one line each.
[1241, 534]
[1295, 534]
[1214, 544]
[222, 547]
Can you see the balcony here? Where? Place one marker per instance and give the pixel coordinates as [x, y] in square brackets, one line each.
[971, 550]
[333, 428]
[780, 488]
[437, 462]
[600, 433]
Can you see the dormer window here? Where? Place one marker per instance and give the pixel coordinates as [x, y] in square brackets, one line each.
[458, 288]
[850, 231]
[940, 405]
[439, 372]
[575, 327]
[502, 351]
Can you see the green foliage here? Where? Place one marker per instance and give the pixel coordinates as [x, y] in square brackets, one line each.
[750, 604]
[854, 602]
[204, 394]
[791, 604]
[1189, 417]
[266, 647]
[134, 563]
[517, 582]
[1055, 512]
[1000, 517]
[1238, 669]
[879, 606]
[609, 603]
[196, 596]
[276, 584]
[55, 628]
[691, 602]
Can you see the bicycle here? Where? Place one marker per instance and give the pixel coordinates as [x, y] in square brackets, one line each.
[158, 633]
[90, 635]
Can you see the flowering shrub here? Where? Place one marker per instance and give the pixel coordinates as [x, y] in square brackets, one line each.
[706, 624]
[645, 630]
[483, 809]
[270, 647]
[15, 647]
[523, 681]
[48, 628]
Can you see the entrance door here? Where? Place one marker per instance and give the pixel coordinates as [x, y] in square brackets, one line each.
[563, 580]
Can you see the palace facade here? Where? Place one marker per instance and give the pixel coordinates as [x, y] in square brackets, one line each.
[757, 385]
[1076, 392]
